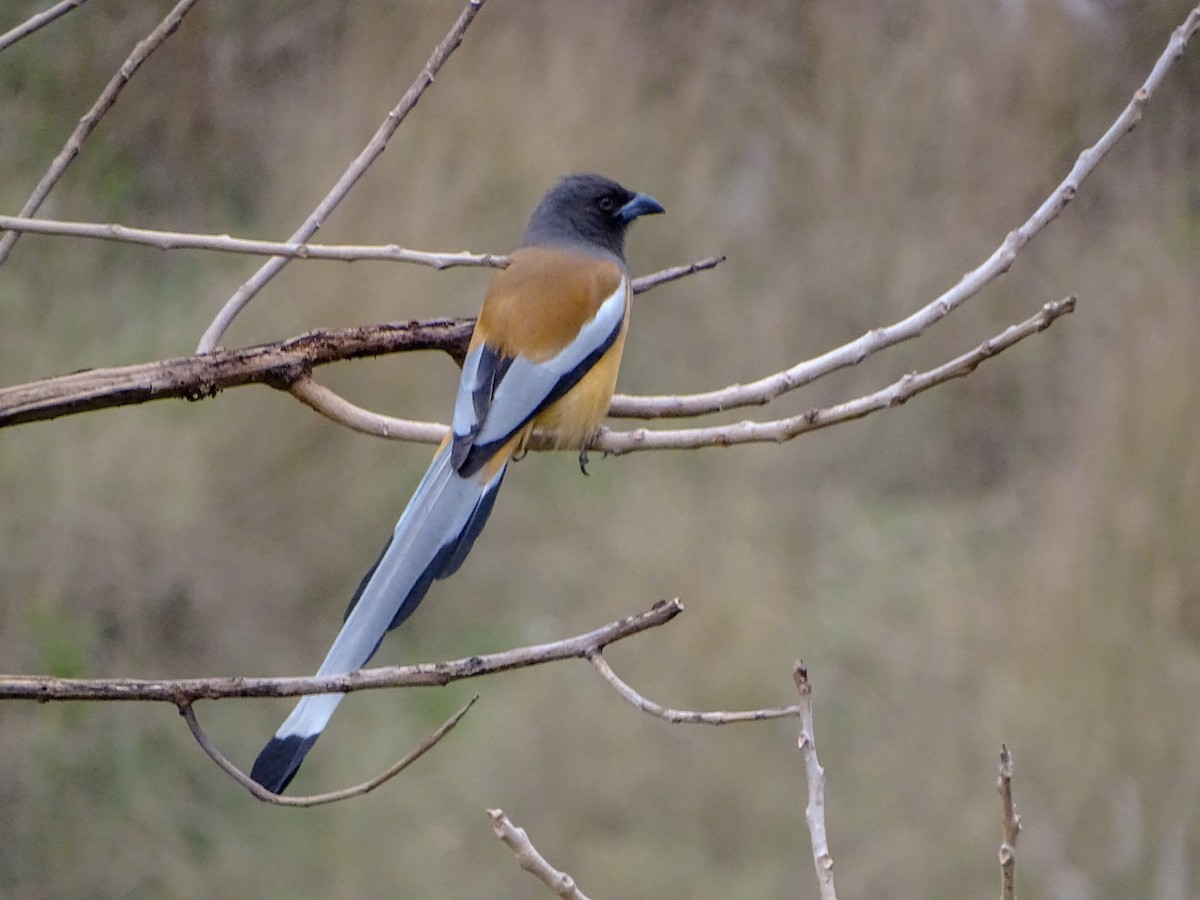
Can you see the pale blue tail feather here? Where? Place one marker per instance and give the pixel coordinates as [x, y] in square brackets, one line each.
[430, 541]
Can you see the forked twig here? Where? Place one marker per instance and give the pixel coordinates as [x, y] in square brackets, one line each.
[183, 693]
[283, 364]
[287, 365]
[778, 430]
[746, 432]
[765, 389]
[47, 688]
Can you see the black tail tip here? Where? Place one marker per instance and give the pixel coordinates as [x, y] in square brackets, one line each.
[280, 760]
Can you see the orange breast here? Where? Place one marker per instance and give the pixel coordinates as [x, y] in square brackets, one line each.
[535, 307]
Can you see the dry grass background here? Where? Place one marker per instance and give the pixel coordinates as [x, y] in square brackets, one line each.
[1012, 557]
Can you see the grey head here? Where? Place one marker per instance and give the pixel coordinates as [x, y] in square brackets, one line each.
[587, 213]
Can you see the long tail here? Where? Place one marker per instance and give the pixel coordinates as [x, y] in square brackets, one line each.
[432, 538]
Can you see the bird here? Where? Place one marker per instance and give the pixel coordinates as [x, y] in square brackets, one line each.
[543, 357]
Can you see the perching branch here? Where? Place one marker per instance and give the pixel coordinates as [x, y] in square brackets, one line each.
[517, 840]
[1012, 827]
[287, 365]
[103, 103]
[814, 812]
[617, 443]
[357, 168]
[33, 23]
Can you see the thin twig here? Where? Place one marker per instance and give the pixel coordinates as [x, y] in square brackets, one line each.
[684, 716]
[189, 715]
[674, 273]
[224, 243]
[529, 859]
[814, 812]
[357, 168]
[33, 23]
[1012, 827]
[45, 688]
[337, 408]
[103, 103]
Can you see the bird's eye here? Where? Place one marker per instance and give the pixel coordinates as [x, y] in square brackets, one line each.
[607, 203]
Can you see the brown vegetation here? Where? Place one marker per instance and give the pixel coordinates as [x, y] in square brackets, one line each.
[1011, 558]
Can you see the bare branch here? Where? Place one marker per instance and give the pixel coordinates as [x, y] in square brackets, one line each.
[766, 389]
[1012, 827]
[814, 812]
[654, 279]
[46, 688]
[374, 147]
[357, 790]
[779, 430]
[280, 365]
[223, 243]
[286, 365]
[33, 23]
[747, 432]
[689, 717]
[337, 408]
[103, 103]
[517, 840]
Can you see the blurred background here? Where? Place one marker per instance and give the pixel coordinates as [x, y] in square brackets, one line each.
[1012, 557]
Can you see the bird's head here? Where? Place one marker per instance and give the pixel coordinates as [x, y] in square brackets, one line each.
[589, 213]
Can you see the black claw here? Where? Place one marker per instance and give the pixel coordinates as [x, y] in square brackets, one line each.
[583, 460]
